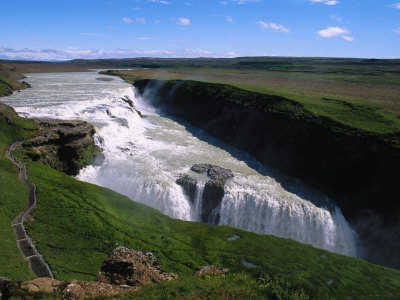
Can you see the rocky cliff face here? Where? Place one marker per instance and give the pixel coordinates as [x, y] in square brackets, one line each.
[359, 170]
[64, 145]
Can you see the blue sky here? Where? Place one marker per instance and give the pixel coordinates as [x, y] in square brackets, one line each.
[68, 29]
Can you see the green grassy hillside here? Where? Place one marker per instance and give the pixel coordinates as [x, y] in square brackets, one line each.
[9, 80]
[13, 195]
[77, 224]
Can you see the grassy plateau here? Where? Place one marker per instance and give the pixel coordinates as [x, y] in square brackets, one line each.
[351, 104]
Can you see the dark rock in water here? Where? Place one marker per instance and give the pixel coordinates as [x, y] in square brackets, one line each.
[105, 78]
[212, 197]
[213, 190]
[210, 270]
[129, 101]
[65, 145]
[132, 106]
[189, 185]
[126, 266]
[109, 113]
[214, 172]
[25, 85]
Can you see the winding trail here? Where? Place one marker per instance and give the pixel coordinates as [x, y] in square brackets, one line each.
[36, 262]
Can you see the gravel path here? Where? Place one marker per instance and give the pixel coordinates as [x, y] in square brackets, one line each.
[36, 262]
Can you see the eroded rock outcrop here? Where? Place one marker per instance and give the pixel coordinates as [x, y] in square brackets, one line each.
[213, 190]
[212, 197]
[64, 145]
[127, 100]
[213, 172]
[42, 284]
[126, 266]
[189, 185]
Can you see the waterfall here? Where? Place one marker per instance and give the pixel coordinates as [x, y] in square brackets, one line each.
[144, 156]
[262, 212]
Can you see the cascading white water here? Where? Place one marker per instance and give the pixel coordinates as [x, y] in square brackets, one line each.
[144, 157]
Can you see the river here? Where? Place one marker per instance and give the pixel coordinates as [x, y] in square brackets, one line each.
[145, 156]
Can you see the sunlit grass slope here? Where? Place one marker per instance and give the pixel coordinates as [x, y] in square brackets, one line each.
[13, 195]
[77, 224]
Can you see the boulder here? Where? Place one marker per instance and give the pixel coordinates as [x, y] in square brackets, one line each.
[210, 270]
[189, 185]
[65, 145]
[212, 197]
[127, 100]
[213, 190]
[126, 266]
[43, 284]
[212, 171]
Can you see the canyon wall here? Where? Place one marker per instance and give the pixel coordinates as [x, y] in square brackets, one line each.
[358, 169]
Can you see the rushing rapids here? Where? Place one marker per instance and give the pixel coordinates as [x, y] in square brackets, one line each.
[145, 155]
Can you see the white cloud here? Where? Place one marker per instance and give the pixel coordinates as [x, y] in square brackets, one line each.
[156, 21]
[335, 32]
[348, 38]
[146, 38]
[273, 26]
[75, 53]
[160, 1]
[183, 21]
[127, 20]
[92, 34]
[332, 31]
[189, 4]
[397, 30]
[326, 2]
[395, 5]
[141, 20]
[229, 19]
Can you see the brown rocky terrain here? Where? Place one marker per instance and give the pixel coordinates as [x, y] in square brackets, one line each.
[125, 266]
[124, 270]
[64, 145]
